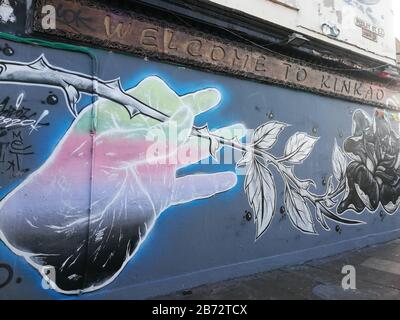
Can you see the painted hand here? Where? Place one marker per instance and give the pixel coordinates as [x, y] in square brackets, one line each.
[87, 235]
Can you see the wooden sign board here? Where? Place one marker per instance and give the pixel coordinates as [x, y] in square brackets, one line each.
[86, 21]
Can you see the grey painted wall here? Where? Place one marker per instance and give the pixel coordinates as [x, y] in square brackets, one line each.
[195, 242]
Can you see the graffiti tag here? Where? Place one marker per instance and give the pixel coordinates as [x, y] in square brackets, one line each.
[19, 116]
[13, 146]
[11, 154]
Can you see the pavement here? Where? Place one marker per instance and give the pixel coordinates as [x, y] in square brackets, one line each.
[377, 277]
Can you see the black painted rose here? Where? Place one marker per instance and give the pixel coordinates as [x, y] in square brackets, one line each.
[373, 176]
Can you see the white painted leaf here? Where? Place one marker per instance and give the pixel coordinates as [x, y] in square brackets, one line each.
[339, 162]
[330, 203]
[73, 97]
[245, 160]
[321, 218]
[298, 211]
[260, 190]
[299, 147]
[266, 135]
[330, 188]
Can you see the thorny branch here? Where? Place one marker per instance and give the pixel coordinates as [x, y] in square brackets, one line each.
[41, 72]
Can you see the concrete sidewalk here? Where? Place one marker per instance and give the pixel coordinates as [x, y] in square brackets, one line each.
[377, 277]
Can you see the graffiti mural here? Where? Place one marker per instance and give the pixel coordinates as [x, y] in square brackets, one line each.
[129, 194]
[115, 171]
[373, 175]
[260, 186]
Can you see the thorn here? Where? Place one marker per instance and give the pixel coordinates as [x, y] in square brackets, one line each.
[114, 84]
[204, 129]
[134, 113]
[73, 97]
[40, 64]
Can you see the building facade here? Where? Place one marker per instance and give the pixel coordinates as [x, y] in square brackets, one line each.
[152, 146]
[365, 27]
